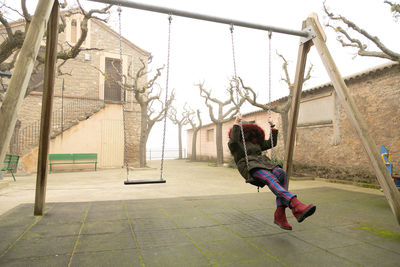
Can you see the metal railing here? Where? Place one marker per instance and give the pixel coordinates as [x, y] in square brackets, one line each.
[173, 153]
[63, 117]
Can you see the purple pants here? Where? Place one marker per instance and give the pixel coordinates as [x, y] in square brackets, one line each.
[277, 181]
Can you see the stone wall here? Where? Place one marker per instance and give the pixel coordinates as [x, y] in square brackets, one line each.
[84, 78]
[328, 146]
[377, 95]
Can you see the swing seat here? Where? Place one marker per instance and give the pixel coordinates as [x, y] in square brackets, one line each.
[158, 181]
[387, 157]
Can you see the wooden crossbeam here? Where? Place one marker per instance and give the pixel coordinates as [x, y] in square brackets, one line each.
[47, 105]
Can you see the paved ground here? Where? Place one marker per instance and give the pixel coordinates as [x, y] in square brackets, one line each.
[202, 216]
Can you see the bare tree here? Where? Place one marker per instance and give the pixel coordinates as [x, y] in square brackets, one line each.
[13, 38]
[283, 109]
[173, 116]
[222, 116]
[347, 39]
[195, 128]
[147, 98]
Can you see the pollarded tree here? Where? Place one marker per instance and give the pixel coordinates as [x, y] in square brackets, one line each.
[283, 109]
[180, 122]
[195, 128]
[221, 117]
[347, 39]
[13, 36]
[152, 108]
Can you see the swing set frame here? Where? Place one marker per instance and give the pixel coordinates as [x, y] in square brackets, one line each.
[47, 12]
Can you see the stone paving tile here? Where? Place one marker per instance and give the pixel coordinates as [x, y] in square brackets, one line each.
[316, 258]
[210, 233]
[194, 221]
[106, 227]
[234, 217]
[325, 238]
[255, 228]
[185, 255]
[187, 211]
[146, 213]
[44, 231]
[97, 214]
[261, 263]
[49, 261]
[66, 213]
[152, 224]
[15, 219]
[8, 236]
[280, 245]
[368, 255]
[27, 248]
[161, 238]
[227, 252]
[199, 231]
[265, 215]
[120, 258]
[105, 241]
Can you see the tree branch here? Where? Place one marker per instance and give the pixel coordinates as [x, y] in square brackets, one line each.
[362, 48]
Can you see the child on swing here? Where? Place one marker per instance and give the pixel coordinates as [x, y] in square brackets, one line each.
[259, 170]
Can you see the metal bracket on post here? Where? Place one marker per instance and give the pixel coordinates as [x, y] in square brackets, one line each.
[311, 35]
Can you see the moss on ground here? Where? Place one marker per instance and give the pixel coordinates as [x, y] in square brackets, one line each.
[386, 234]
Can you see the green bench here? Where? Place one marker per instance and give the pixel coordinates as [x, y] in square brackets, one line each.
[10, 164]
[75, 158]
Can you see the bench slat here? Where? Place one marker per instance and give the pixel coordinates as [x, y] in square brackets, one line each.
[85, 156]
[73, 158]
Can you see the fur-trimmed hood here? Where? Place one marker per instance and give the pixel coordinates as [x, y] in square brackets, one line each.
[252, 132]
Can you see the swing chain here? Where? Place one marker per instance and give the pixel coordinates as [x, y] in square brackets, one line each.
[123, 100]
[235, 78]
[273, 155]
[166, 96]
[237, 95]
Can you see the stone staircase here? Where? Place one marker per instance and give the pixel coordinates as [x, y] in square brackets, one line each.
[73, 111]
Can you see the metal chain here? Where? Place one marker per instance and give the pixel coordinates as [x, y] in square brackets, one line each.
[123, 100]
[269, 91]
[166, 96]
[237, 96]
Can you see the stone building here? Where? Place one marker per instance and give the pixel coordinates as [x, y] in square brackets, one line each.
[87, 109]
[326, 144]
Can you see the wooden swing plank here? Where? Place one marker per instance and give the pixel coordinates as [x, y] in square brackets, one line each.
[349, 105]
[130, 182]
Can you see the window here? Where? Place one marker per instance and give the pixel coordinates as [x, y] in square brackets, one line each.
[316, 111]
[74, 30]
[210, 135]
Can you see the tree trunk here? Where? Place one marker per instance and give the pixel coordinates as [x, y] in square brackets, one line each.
[220, 149]
[180, 140]
[143, 137]
[194, 140]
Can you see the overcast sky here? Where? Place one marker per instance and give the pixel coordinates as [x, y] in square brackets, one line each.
[201, 51]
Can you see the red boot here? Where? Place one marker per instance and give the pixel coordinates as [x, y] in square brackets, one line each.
[301, 211]
[280, 218]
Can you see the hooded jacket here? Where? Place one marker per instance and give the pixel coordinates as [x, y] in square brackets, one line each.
[255, 144]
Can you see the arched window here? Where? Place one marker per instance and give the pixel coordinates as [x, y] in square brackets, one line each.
[73, 31]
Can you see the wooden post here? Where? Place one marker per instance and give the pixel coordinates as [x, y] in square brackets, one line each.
[294, 110]
[47, 105]
[22, 73]
[347, 101]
